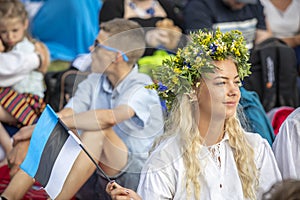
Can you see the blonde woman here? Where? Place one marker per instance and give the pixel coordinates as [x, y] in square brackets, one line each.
[205, 153]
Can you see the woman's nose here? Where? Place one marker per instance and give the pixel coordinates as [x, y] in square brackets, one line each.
[233, 89]
[232, 94]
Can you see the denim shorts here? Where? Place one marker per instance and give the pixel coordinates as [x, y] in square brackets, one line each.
[95, 186]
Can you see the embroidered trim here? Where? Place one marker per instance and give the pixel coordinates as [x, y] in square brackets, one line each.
[215, 154]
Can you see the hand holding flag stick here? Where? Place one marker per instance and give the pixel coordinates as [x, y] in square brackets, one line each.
[52, 153]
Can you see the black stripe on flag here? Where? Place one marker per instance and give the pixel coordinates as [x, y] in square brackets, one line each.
[52, 148]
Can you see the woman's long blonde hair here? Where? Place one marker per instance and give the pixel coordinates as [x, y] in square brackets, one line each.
[183, 119]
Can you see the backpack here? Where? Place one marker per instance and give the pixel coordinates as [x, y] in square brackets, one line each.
[253, 117]
[61, 86]
[274, 74]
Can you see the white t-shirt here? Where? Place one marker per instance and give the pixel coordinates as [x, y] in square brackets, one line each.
[15, 65]
[164, 173]
[286, 146]
[283, 23]
[33, 82]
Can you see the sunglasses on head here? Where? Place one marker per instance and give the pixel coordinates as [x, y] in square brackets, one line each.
[98, 45]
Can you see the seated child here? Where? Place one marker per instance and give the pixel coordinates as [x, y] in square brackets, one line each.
[21, 89]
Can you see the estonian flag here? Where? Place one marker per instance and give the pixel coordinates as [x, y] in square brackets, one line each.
[52, 151]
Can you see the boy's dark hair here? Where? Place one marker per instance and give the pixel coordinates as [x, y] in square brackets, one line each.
[127, 36]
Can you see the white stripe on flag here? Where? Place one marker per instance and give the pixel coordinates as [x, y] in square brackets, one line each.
[62, 167]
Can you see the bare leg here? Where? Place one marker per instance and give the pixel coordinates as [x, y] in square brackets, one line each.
[5, 140]
[18, 186]
[96, 143]
[114, 155]
[6, 116]
[5, 143]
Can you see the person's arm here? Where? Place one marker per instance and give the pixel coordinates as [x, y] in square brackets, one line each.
[21, 142]
[23, 134]
[65, 112]
[44, 56]
[262, 35]
[263, 30]
[20, 182]
[292, 41]
[17, 62]
[80, 115]
[14, 61]
[98, 119]
[20, 146]
[14, 64]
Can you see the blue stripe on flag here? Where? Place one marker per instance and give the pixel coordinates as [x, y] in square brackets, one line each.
[40, 135]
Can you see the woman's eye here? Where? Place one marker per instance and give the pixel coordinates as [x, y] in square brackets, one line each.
[220, 83]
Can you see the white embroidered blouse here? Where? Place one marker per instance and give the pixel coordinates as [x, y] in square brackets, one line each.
[162, 176]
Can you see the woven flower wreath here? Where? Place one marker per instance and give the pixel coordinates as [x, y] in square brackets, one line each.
[179, 74]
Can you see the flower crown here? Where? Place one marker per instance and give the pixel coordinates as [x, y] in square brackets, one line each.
[180, 73]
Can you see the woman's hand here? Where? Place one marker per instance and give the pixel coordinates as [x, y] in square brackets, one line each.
[117, 192]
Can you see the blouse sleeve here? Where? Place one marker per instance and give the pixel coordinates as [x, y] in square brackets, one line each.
[156, 184]
[15, 65]
[266, 163]
[15, 62]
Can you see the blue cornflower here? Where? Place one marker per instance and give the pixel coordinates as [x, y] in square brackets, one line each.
[163, 104]
[162, 87]
[213, 48]
[186, 64]
[199, 53]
